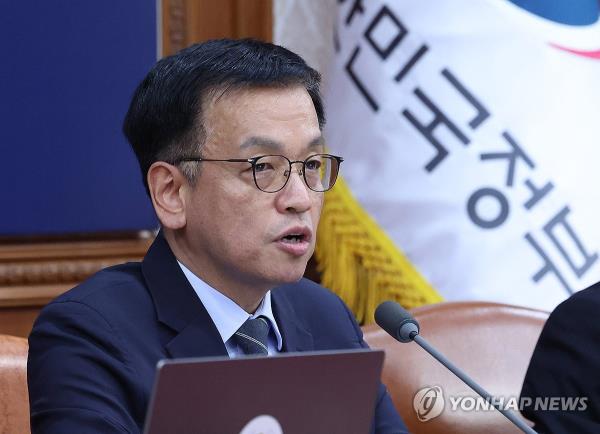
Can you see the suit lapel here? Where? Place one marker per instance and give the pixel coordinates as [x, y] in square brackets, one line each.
[178, 306]
[295, 336]
[198, 339]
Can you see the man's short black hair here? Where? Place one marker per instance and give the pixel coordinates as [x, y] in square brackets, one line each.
[164, 119]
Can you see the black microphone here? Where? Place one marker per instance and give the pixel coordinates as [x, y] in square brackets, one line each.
[401, 325]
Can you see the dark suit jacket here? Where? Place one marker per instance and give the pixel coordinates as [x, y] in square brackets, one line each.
[566, 363]
[93, 351]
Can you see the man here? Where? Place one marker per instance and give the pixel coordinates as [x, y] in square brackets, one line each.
[228, 138]
[565, 366]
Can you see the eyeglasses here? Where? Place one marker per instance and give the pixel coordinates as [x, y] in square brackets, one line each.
[271, 172]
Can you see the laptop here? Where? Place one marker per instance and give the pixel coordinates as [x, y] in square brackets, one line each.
[329, 392]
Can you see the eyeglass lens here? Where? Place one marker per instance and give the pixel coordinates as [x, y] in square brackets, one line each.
[272, 171]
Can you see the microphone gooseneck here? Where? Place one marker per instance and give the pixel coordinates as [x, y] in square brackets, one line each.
[401, 325]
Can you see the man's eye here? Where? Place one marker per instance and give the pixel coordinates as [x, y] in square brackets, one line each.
[261, 167]
[313, 165]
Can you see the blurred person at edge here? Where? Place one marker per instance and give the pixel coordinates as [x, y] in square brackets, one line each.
[565, 366]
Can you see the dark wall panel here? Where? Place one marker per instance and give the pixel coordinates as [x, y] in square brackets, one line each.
[67, 72]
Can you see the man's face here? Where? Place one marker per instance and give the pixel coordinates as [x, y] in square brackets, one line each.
[238, 237]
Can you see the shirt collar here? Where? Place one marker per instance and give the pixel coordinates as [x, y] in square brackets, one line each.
[225, 313]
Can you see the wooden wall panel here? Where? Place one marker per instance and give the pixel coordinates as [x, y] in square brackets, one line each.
[34, 271]
[254, 19]
[188, 21]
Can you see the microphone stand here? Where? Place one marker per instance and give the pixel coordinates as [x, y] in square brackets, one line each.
[467, 380]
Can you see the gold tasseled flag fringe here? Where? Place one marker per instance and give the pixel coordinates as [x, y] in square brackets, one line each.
[359, 262]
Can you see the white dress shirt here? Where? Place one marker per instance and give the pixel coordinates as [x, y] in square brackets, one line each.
[229, 317]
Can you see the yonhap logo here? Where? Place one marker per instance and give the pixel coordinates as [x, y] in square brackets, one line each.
[428, 403]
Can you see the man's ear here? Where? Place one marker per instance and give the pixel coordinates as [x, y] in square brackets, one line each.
[166, 184]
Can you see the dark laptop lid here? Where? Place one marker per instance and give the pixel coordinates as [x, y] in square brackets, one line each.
[325, 392]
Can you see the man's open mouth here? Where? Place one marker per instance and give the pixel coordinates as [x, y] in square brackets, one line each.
[294, 238]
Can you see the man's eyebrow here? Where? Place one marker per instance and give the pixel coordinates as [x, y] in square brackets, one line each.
[262, 142]
[317, 141]
[275, 145]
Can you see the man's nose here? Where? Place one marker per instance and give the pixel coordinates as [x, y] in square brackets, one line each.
[295, 196]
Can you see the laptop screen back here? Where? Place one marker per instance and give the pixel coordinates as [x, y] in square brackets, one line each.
[327, 392]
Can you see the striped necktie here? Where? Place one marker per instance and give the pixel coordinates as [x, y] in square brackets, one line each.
[252, 336]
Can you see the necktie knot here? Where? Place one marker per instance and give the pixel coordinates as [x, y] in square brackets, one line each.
[252, 336]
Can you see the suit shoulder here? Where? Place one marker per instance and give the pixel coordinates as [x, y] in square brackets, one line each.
[108, 285]
[576, 316]
[588, 295]
[307, 296]
[305, 288]
[584, 302]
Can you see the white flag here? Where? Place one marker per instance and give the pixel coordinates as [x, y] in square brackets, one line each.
[471, 136]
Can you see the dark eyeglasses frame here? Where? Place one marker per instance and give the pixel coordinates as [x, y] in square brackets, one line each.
[253, 161]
